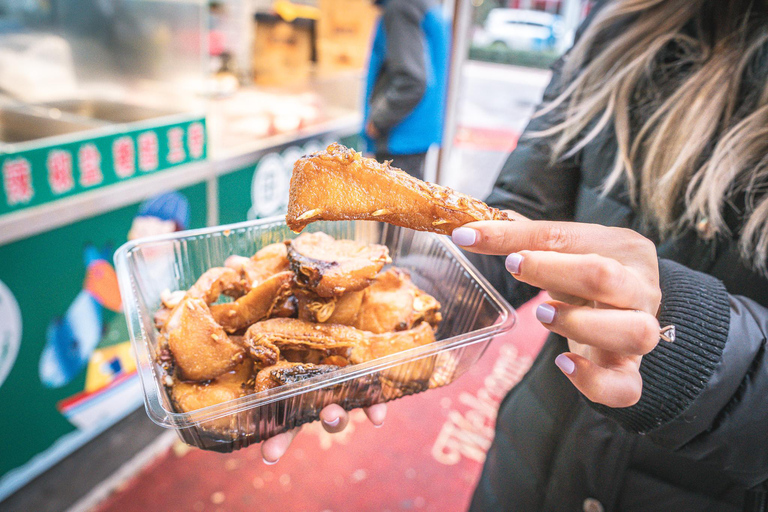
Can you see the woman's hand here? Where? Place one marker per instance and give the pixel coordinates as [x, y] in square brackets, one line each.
[333, 418]
[605, 286]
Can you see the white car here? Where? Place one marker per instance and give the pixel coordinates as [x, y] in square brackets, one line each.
[520, 29]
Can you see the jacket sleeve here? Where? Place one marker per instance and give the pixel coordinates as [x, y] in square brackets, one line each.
[404, 63]
[705, 395]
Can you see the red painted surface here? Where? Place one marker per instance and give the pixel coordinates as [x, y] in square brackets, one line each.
[486, 139]
[426, 457]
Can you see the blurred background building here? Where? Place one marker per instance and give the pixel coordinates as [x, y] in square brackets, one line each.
[128, 118]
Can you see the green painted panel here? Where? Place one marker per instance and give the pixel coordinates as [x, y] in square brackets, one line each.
[61, 281]
[261, 189]
[41, 175]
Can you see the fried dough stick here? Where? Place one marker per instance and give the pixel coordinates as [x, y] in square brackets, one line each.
[339, 184]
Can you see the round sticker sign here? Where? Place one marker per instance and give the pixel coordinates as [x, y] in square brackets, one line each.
[10, 331]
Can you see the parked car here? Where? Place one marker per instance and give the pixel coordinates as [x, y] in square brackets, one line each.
[520, 29]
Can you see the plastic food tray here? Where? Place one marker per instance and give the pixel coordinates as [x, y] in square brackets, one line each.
[473, 314]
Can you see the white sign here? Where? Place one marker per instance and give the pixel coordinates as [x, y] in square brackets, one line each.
[10, 331]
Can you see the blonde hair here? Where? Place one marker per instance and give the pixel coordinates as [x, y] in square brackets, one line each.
[701, 144]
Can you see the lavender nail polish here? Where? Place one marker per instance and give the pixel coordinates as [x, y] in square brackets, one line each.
[513, 263]
[545, 313]
[332, 423]
[465, 237]
[564, 363]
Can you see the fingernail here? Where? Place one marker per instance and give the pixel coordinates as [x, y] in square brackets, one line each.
[465, 237]
[332, 423]
[564, 363]
[513, 263]
[268, 463]
[545, 313]
[378, 426]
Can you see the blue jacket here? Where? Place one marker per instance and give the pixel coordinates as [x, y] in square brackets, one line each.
[407, 77]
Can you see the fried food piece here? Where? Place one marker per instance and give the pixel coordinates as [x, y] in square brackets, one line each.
[394, 303]
[215, 282]
[190, 396]
[332, 267]
[267, 262]
[257, 304]
[301, 341]
[339, 184]
[286, 372]
[342, 310]
[403, 379]
[209, 287]
[200, 347]
[375, 346]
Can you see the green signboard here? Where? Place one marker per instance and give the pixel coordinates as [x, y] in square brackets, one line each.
[41, 175]
[261, 189]
[66, 368]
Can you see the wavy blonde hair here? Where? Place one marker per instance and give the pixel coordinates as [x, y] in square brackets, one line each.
[701, 143]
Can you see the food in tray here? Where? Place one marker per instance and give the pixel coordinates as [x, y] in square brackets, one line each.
[340, 184]
[294, 310]
[330, 267]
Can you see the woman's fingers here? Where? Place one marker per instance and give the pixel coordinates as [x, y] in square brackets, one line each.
[588, 276]
[376, 414]
[504, 237]
[275, 447]
[622, 331]
[617, 386]
[334, 418]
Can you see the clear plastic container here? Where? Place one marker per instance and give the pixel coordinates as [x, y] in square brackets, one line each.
[473, 314]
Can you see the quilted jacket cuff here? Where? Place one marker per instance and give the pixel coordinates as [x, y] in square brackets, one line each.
[674, 374]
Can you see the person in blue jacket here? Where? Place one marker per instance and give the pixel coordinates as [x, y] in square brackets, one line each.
[406, 85]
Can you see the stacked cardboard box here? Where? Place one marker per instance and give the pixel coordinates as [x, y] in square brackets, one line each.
[282, 51]
[344, 33]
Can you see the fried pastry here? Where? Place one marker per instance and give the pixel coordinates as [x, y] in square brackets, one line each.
[267, 262]
[340, 184]
[403, 379]
[330, 267]
[257, 304]
[200, 347]
[190, 396]
[335, 310]
[286, 372]
[297, 340]
[394, 303]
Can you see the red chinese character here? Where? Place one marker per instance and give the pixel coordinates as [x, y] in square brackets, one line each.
[89, 163]
[196, 139]
[176, 145]
[59, 164]
[148, 151]
[123, 157]
[17, 180]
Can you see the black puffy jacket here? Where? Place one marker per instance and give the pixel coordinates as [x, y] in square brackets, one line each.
[698, 439]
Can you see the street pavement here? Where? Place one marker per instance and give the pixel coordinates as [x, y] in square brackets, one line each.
[496, 102]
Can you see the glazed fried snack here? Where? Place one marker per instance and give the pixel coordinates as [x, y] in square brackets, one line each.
[339, 184]
[201, 348]
[257, 304]
[330, 267]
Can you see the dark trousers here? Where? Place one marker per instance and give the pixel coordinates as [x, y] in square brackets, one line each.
[412, 164]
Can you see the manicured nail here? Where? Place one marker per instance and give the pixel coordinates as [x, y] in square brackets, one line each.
[466, 237]
[513, 263]
[378, 426]
[268, 463]
[332, 423]
[564, 363]
[545, 313]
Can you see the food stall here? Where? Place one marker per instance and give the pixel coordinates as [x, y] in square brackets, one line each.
[129, 119]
